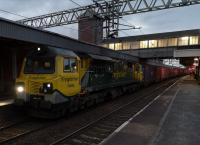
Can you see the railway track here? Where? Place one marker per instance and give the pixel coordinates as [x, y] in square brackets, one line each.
[6, 125]
[19, 129]
[93, 132]
[96, 131]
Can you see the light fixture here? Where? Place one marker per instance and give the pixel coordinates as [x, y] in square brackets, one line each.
[39, 49]
[196, 59]
[195, 64]
[20, 89]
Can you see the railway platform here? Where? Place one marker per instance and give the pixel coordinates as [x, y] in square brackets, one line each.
[171, 119]
[6, 101]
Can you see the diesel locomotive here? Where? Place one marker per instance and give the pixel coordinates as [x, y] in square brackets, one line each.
[55, 81]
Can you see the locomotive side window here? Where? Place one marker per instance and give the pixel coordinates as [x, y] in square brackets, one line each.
[70, 65]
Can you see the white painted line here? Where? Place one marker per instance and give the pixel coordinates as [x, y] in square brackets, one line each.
[138, 113]
[154, 140]
[122, 126]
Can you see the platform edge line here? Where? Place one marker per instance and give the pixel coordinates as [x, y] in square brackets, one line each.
[138, 113]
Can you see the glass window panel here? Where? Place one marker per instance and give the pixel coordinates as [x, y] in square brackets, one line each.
[135, 45]
[144, 44]
[112, 46]
[162, 43]
[39, 65]
[194, 40]
[172, 42]
[126, 45]
[183, 41]
[153, 43]
[70, 65]
[118, 46]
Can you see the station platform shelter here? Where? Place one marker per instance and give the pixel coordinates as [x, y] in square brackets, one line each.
[11, 58]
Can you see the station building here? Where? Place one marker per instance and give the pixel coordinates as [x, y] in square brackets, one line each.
[159, 40]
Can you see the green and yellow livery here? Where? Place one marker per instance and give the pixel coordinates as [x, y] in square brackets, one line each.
[55, 81]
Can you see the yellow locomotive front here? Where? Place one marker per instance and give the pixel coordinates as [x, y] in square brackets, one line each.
[48, 79]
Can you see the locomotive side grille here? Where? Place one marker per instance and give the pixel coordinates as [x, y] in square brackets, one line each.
[35, 87]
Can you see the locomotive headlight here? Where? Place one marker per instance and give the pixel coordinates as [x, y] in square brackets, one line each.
[20, 89]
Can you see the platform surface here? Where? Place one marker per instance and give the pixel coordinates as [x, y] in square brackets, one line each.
[5, 102]
[172, 119]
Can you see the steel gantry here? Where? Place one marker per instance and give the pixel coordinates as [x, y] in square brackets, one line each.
[109, 11]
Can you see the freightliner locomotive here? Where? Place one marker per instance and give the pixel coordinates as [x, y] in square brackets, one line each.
[56, 81]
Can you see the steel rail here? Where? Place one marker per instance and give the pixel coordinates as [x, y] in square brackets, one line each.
[25, 127]
[108, 115]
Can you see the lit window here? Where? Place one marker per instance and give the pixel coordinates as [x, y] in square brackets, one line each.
[112, 46]
[153, 43]
[194, 40]
[126, 45]
[183, 41]
[118, 46]
[144, 44]
[135, 45]
[162, 43]
[172, 42]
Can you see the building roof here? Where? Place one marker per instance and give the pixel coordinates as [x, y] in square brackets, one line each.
[194, 32]
[15, 31]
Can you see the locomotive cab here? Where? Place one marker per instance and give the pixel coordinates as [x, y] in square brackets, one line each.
[47, 76]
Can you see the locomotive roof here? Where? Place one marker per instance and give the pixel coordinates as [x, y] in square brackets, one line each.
[53, 51]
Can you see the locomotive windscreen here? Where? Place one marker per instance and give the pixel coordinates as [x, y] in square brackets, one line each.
[39, 65]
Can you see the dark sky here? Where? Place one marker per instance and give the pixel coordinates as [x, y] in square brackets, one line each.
[152, 22]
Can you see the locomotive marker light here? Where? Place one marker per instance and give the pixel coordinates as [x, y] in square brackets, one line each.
[47, 87]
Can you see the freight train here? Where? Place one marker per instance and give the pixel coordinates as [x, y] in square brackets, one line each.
[55, 81]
